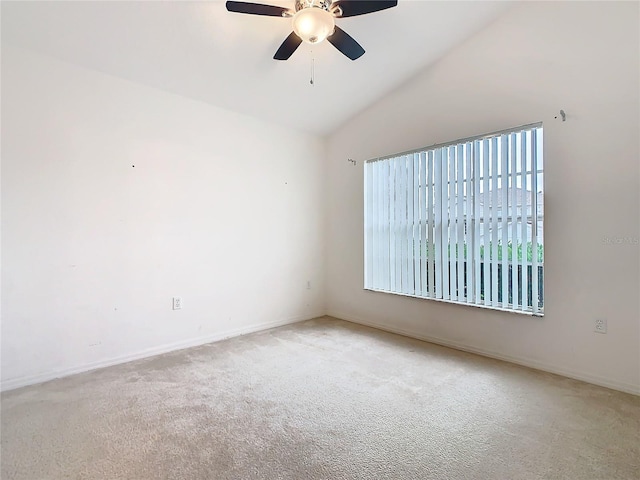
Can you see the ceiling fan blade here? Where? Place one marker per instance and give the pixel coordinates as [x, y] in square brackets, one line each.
[257, 9]
[346, 44]
[290, 44]
[351, 8]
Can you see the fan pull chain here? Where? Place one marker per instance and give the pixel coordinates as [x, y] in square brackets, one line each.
[313, 70]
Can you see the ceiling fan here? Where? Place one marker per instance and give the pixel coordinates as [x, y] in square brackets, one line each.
[314, 21]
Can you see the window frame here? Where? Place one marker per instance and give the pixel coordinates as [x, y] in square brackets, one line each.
[534, 215]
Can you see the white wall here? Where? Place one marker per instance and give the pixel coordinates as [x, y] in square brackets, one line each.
[220, 209]
[537, 59]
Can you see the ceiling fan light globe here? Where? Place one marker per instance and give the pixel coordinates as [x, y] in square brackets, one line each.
[313, 25]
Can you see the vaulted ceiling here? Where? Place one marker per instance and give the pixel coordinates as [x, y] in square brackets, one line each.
[200, 51]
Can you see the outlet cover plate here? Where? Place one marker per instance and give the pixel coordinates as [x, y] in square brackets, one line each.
[177, 303]
[600, 326]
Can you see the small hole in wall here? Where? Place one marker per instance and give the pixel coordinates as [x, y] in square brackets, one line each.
[133, 166]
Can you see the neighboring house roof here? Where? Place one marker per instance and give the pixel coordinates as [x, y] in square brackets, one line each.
[520, 193]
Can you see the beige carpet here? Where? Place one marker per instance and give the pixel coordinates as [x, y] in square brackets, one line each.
[322, 399]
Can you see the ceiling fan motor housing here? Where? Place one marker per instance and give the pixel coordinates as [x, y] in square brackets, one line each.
[323, 4]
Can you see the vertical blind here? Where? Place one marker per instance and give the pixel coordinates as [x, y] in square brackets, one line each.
[459, 222]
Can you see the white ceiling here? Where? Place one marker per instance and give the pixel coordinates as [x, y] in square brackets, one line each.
[201, 51]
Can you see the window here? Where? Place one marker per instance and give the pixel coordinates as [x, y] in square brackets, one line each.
[459, 222]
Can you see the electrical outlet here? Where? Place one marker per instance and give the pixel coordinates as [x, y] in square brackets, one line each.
[600, 325]
[177, 303]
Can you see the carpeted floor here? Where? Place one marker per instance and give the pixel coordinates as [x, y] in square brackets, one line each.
[323, 399]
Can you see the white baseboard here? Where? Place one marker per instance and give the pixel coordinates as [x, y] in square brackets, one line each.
[526, 362]
[14, 383]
